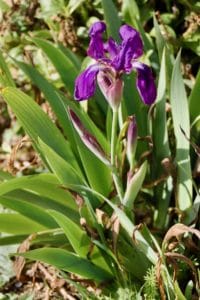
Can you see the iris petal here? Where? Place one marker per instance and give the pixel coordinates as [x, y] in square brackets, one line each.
[85, 83]
[111, 47]
[145, 83]
[131, 48]
[126, 33]
[96, 46]
[123, 61]
[129, 33]
[112, 60]
[97, 27]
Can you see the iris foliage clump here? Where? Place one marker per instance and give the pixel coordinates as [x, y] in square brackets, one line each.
[115, 203]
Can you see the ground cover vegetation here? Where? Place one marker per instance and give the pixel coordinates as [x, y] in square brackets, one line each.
[99, 157]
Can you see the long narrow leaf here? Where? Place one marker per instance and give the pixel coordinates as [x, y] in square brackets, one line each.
[130, 12]
[79, 240]
[67, 261]
[161, 146]
[41, 199]
[5, 75]
[50, 93]
[194, 99]
[37, 124]
[135, 106]
[17, 224]
[5, 175]
[12, 239]
[76, 236]
[30, 211]
[160, 41]
[142, 245]
[46, 193]
[111, 17]
[62, 169]
[63, 65]
[70, 55]
[180, 114]
[160, 134]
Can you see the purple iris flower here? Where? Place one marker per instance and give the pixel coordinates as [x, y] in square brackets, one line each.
[111, 61]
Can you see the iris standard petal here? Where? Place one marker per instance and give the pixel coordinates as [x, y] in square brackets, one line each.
[97, 27]
[123, 61]
[131, 48]
[145, 83]
[126, 33]
[85, 83]
[111, 47]
[96, 46]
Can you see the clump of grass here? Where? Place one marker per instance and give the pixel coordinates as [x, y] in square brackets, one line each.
[150, 288]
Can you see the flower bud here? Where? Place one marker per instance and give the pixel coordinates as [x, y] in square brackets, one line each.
[111, 87]
[134, 185]
[131, 140]
[88, 139]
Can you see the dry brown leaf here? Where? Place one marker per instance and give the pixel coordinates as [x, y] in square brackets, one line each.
[181, 257]
[186, 260]
[102, 217]
[159, 279]
[88, 229]
[78, 199]
[19, 262]
[195, 147]
[177, 230]
[137, 228]
[11, 161]
[115, 234]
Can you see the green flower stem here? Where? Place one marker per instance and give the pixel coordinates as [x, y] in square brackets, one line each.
[116, 178]
[113, 136]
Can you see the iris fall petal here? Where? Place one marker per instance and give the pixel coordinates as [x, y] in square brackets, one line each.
[145, 83]
[85, 83]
